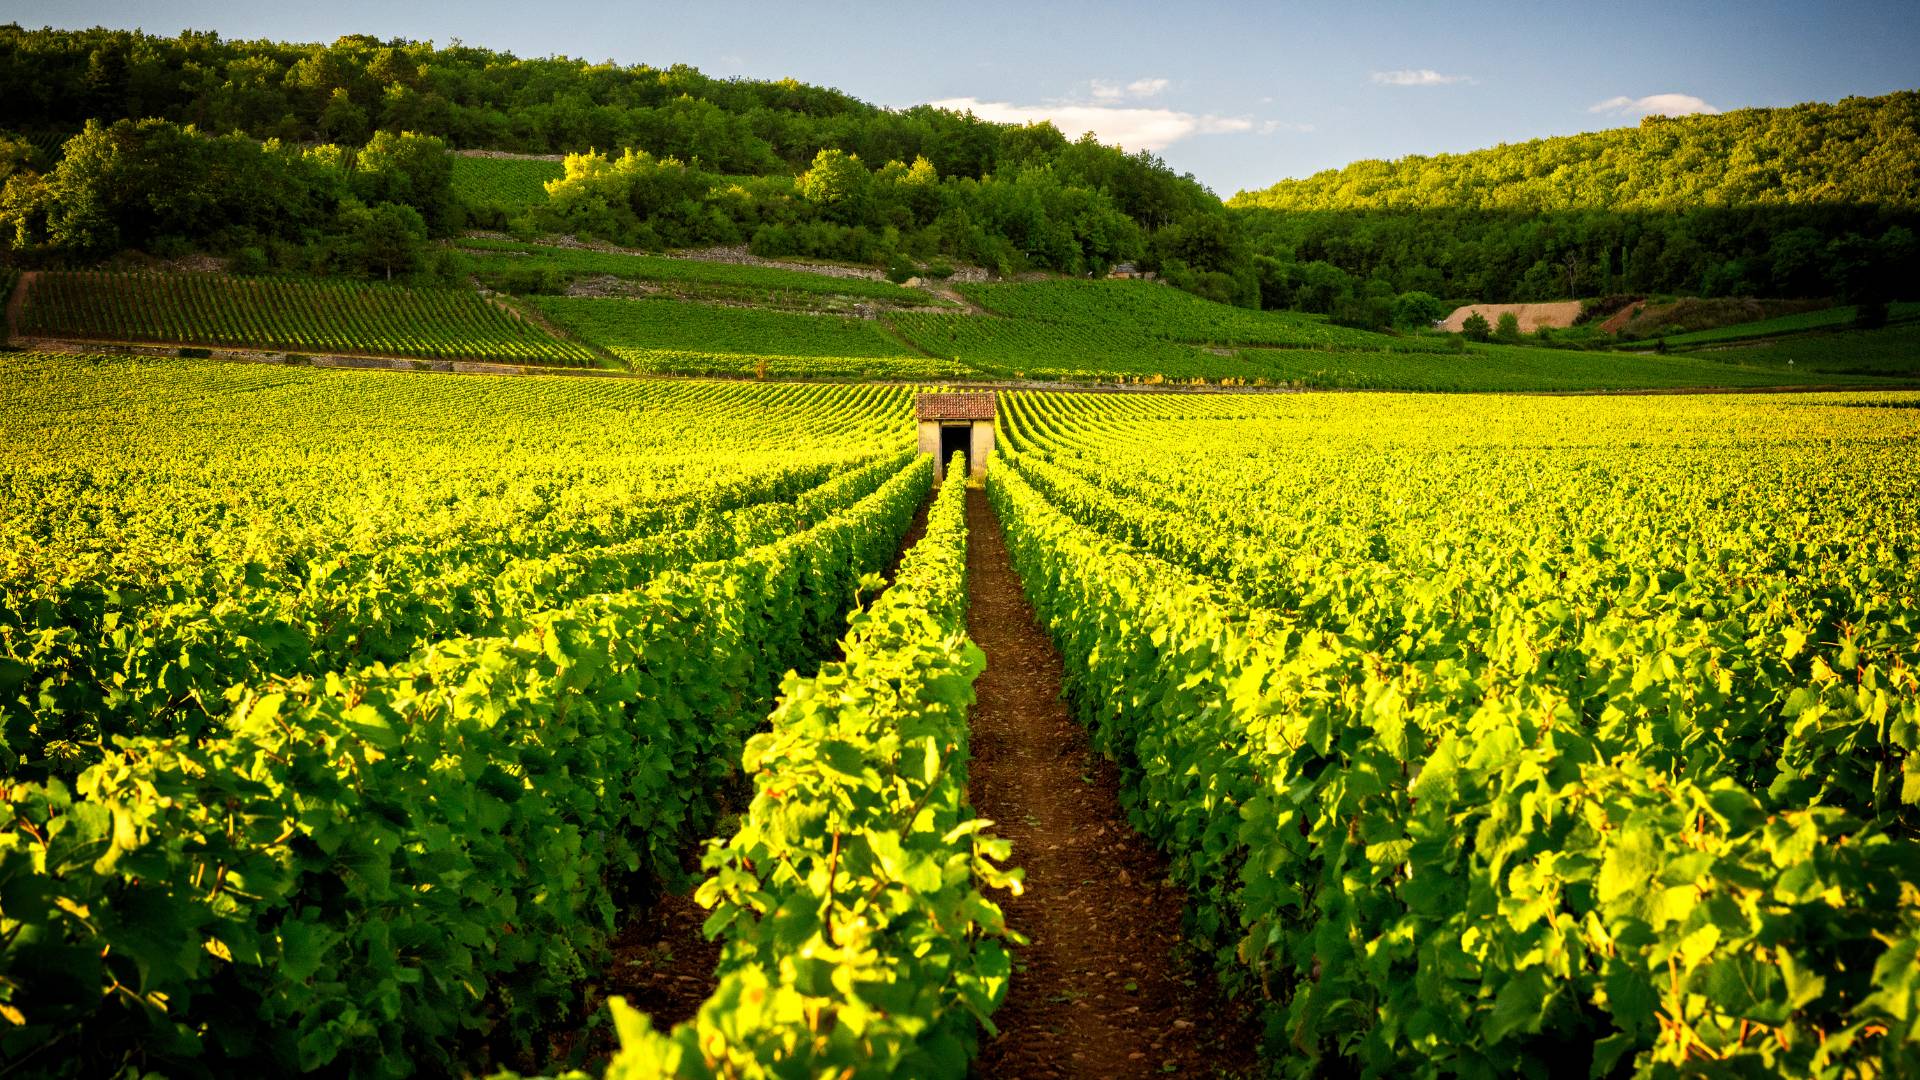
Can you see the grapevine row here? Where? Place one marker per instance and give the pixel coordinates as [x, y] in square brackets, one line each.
[215, 310]
[860, 939]
[369, 865]
[1482, 805]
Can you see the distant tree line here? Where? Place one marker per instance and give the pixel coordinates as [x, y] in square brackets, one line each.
[1313, 260]
[790, 168]
[1814, 200]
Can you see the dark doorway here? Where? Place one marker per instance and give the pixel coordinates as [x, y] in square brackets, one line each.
[953, 440]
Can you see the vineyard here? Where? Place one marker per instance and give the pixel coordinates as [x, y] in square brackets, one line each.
[665, 336]
[1100, 331]
[512, 184]
[1889, 352]
[1178, 316]
[1834, 318]
[272, 313]
[702, 279]
[1494, 368]
[1018, 348]
[347, 718]
[720, 319]
[1508, 737]
[268, 748]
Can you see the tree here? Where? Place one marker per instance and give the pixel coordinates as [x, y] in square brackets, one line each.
[410, 169]
[1417, 309]
[1320, 286]
[838, 184]
[1507, 329]
[1362, 312]
[342, 120]
[1476, 328]
[15, 156]
[383, 240]
[24, 202]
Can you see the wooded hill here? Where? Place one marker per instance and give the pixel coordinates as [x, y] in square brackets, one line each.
[1861, 151]
[325, 159]
[792, 168]
[1813, 200]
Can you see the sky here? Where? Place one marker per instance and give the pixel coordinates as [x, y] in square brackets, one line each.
[1239, 94]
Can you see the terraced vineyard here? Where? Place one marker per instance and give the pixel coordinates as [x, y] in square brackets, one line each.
[1024, 349]
[273, 313]
[704, 339]
[1179, 316]
[1506, 736]
[767, 285]
[283, 687]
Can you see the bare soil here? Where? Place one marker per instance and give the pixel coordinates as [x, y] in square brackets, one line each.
[1106, 987]
[1557, 315]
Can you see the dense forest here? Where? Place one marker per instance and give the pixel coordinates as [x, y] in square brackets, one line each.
[790, 168]
[330, 159]
[1814, 200]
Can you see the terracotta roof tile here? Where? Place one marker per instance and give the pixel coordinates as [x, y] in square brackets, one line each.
[954, 406]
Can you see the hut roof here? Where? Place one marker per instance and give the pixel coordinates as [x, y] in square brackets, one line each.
[954, 406]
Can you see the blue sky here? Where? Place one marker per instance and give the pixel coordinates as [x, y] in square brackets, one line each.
[1239, 94]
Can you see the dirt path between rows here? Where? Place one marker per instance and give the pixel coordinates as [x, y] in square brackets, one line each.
[1100, 991]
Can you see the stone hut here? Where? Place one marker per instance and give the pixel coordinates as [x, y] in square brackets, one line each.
[951, 423]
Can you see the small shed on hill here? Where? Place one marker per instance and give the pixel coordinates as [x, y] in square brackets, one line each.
[956, 423]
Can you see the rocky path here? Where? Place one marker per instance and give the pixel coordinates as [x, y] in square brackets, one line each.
[1102, 990]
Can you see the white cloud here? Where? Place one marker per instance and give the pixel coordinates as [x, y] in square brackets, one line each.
[1271, 127]
[1653, 105]
[1104, 90]
[1417, 77]
[1132, 127]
